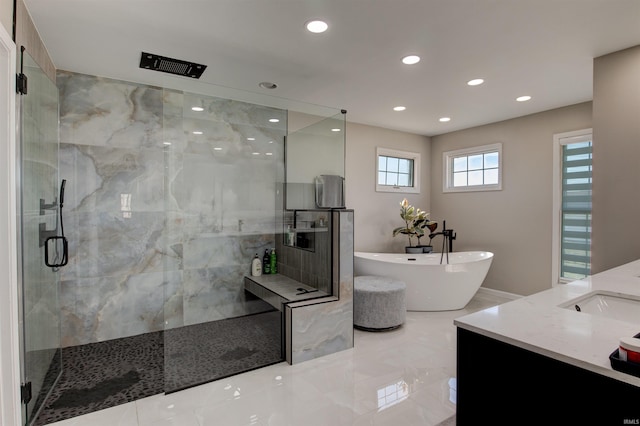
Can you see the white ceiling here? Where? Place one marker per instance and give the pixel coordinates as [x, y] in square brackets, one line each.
[541, 48]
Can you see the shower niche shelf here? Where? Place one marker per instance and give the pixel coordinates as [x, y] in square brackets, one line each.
[303, 229]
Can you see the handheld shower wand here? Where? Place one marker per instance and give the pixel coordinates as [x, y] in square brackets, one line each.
[59, 259]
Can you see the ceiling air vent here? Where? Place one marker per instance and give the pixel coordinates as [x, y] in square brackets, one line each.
[172, 66]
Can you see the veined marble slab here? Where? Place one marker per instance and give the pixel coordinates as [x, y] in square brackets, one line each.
[162, 222]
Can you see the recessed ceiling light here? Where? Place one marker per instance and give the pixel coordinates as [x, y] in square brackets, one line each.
[523, 98]
[268, 85]
[197, 132]
[167, 143]
[335, 130]
[274, 120]
[217, 148]
[198, 109]
[399, 108]
[411, 59]
[251, 139]
[475, 82]
[268, 153]
[270, 141]
[444, 119]
[317, 26]
[255, 153]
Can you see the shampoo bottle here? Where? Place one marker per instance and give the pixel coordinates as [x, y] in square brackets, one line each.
[266, 262]
[256, 266]
[273, 262]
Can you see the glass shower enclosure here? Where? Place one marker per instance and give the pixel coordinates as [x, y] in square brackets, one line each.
[223, 159]
[40, 220]
[173, 190]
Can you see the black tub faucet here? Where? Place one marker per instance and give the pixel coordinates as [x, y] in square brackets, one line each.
[448, 235]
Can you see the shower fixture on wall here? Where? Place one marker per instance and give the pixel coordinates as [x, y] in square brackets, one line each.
[154, 62]
[59, 245]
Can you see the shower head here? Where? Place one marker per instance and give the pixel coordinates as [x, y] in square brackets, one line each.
[172, 66]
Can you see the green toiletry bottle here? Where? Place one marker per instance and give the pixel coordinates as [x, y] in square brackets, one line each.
[273, 262]
[266, 262]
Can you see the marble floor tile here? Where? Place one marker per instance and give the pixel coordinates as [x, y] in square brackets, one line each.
[120, 415]
[404, 376]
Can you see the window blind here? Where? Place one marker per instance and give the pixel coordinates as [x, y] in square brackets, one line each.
[575, 252]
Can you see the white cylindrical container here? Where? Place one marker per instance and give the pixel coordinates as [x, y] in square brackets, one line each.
[629, 349]
[290, 238]
[256, 266]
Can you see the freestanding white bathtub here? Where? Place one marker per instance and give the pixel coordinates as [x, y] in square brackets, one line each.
[430, 285]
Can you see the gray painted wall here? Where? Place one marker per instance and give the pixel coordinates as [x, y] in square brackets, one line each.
[616, 159]
[376, 214]
[6, 15]
[514, 223]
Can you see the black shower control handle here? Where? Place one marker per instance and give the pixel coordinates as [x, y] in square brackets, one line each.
[62, 185]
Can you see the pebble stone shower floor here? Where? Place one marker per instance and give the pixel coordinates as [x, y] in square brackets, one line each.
[105, 374]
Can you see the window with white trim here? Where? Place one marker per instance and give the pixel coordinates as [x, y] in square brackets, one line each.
[573, 152]
[397, 171]
[473, 169]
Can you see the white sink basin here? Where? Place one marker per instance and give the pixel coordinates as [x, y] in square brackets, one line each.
[623, 307]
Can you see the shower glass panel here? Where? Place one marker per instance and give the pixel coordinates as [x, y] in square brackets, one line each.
[314, 150]
[315, 154]
[41, 364]
[223, 161]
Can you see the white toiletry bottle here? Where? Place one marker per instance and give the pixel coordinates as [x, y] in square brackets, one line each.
[256, 266]
[290, 238]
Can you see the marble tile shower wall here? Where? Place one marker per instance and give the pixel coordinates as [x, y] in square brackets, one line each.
[162, 226]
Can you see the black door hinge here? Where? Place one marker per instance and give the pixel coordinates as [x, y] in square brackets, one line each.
[25, 392]
[21, 84]
[21, 78]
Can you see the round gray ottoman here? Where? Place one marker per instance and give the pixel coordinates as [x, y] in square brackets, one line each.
[378, 303]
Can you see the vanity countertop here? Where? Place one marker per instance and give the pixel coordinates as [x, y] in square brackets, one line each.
[537, 322]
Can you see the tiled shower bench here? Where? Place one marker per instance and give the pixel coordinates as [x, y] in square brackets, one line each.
[300, 304]
[277, 290]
